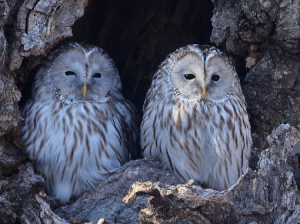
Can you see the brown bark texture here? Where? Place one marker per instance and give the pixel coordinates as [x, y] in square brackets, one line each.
[268, 195]
[106, 201]
[261, 37]
[28, 30]
[271, 87]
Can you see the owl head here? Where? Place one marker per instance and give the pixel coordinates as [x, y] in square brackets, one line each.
[199, 73]
[78, 72]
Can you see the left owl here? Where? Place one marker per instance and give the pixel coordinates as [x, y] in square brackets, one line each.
[78, 128]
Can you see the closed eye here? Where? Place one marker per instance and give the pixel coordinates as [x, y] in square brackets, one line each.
[189, 76]
[70, 73]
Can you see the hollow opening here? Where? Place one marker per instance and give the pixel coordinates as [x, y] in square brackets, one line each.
[138, 35]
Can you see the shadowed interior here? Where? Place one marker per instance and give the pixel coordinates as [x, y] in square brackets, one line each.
[138, 35]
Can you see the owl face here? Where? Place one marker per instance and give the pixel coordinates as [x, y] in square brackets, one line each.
[201, 75]
[83, 74]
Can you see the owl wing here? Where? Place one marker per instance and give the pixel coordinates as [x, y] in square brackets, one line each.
[130, 127]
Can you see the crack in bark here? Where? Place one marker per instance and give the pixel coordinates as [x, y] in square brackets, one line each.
[28, 15]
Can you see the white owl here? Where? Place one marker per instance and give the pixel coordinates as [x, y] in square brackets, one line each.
[78, 128]
[195, 119]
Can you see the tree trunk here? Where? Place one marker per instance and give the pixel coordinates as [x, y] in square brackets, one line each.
[267, 32]
[261, 37]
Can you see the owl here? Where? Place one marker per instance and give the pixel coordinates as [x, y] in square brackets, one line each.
[78, 128]
[195, 119]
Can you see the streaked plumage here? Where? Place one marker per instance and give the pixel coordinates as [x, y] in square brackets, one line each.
[195, 119]
[78, 128]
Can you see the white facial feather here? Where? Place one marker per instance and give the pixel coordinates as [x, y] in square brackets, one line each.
[190, 64]
[217, 90]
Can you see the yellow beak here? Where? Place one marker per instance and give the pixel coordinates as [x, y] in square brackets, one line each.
[204, 91]
[83, 90]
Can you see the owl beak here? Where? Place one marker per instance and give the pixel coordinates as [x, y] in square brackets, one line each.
[83, 89]
[203, 90]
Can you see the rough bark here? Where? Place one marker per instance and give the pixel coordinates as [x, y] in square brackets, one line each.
[261, 36]
[9, 109]
[10, 157]
[273, 92]
[106, 201]
[22, 198]
[237, 24]
[271, 30]
[28, 29]
[269, 195]
[16, 195]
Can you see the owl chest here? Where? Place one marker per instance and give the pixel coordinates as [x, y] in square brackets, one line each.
[72, 131]
[191, 129]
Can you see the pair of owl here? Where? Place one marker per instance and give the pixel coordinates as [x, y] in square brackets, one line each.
[78, 128]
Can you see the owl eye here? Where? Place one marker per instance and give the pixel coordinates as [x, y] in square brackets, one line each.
[97, 75]
[189, 76]
[70, 73]
[215, 78]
